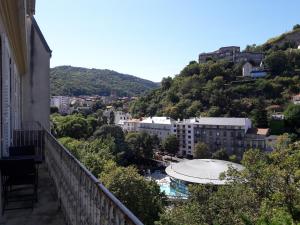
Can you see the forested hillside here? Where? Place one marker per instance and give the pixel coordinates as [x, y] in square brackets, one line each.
[217, 88]
[74, 81]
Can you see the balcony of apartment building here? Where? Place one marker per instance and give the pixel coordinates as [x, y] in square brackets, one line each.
[67, 192]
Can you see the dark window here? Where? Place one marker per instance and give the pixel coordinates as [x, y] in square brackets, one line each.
[189, 126]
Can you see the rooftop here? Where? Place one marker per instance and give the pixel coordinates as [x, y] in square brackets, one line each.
[159, 120]
[222, 121]
[258, 131]
[201, 171]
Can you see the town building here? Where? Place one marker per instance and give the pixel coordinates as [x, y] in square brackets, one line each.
[184, 130]
[62, 103]
[296, 99]
[121, 116]
[250, 70]
[160, 126]
[131, 125]
[231, 54]
[215, 132]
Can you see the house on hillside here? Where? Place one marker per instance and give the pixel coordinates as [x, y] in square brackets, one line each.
[251, 70]
[296, 99]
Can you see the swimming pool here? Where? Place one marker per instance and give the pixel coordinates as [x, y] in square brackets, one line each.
[170, 191]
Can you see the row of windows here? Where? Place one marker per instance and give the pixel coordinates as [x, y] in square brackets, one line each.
[221, 133]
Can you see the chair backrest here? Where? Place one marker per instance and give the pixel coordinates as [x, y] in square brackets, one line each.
[21, 150]
[17, 167]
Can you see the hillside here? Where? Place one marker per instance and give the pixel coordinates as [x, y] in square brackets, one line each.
[217, 88]
[74, 81]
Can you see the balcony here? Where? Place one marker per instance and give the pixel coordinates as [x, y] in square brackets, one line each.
[68, 192]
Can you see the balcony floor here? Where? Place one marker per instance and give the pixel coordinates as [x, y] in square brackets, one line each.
[45, 211]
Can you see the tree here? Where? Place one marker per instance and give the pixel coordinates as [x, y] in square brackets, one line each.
[117, 135]
[142, 197]
[97, 105]
[141, 145]
[75, 126]
[111, 117]
[220, 154]
[297, 26]
[277, 62]
[53, 109]
[292, 117]
[260, 116]
[166, 83]
[171, 144]
[201, 151]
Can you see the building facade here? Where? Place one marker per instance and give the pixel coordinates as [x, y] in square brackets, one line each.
[215, 132]
[160, 126]
[231, 54]
[62, 103]
[24, 70]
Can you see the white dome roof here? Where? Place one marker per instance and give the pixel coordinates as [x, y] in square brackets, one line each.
[201, 171]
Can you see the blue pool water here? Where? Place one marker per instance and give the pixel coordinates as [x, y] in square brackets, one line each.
[169, 191]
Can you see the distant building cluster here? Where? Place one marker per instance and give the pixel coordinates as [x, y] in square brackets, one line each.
[234, 135]
[67, 105]
[232, 54]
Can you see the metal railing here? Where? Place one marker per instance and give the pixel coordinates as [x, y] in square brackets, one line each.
[83, 198]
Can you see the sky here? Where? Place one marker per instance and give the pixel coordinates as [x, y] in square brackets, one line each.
[153, 39]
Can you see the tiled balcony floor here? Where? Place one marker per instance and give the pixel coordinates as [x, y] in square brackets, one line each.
[45, 211]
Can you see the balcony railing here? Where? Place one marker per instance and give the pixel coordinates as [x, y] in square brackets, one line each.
[82, 197]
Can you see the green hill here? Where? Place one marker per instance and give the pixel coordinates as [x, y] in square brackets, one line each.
[217, 88]
[74, 81]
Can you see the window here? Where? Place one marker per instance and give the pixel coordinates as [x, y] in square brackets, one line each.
[189, 137]
[189, 147]
[225, 134]
[210, 133]
[189, 126]
[189, 131]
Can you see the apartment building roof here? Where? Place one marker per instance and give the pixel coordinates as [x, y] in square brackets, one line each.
[201, 171]
[222, 121]
[158, 120]
[258, 131]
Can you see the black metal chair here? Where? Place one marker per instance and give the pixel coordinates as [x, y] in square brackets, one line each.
[21, 150]
[18, 173]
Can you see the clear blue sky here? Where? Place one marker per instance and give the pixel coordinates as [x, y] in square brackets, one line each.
[156, 38]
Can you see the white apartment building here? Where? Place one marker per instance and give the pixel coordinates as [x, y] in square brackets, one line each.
[121, 116]
[184, 130]
[160, 126]
[62, 103]
[130, 125]
[216, 132]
